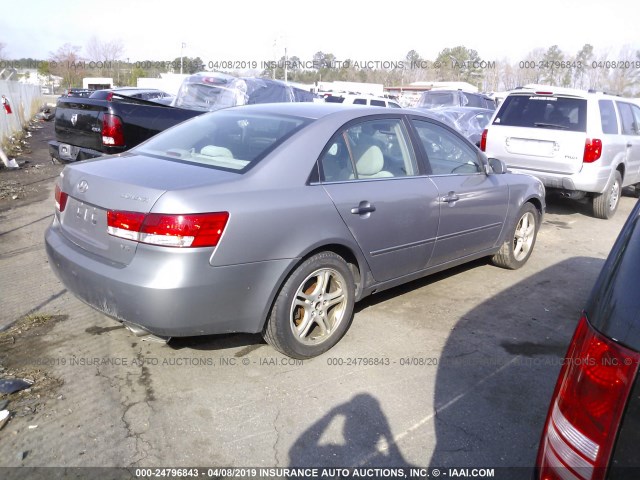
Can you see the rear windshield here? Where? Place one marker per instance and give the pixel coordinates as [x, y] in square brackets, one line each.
[227, 140]
[439, 99]
[543, 111]
[614, 306]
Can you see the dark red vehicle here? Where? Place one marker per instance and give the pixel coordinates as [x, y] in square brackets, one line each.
[592, 430]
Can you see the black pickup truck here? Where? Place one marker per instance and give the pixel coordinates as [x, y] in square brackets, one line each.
[109, 122]
[112, 121]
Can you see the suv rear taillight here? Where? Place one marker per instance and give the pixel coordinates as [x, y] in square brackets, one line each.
[592, 150]
[586, 407]
[483, 140]
[193, 230]
[112, 134]
[61, 199]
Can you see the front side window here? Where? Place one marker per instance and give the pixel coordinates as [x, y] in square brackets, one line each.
[370, 149]
[629, 124]
[447, 154]
[360, 101]
[378, 103]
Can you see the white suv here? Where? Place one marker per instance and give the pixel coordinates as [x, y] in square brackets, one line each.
[577, 142]
[362, 100]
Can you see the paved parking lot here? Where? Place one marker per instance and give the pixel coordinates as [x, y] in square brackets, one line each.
[455, 370]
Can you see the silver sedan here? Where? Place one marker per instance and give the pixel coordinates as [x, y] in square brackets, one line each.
[277, 218]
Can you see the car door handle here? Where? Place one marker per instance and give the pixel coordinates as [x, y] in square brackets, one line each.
[450, 197]
[629, 145]
[362, 208]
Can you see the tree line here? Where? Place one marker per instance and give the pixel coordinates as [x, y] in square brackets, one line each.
[613, 71]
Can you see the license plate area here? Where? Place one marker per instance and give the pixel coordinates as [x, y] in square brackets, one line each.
[68, 152]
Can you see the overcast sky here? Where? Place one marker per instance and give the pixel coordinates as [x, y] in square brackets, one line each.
[260, 30]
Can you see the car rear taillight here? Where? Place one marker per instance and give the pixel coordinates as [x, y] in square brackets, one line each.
[192, 230]
[483, 140]
[61, 199]
[112, 132]
[586, 408]
[592, 150]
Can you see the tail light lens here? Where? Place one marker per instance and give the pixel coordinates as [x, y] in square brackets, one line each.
[112, 132]
[61, 199]
[193, 230]
[592, 150]
[483, 140]
[586, 408]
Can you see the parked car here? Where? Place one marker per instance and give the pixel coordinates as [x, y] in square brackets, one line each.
[578, 143]
[362, 100]
[469, 121]
[150, 94]
[209, 91]
[77, 92]
[113, 121]
[277, 218]
[592, 429]
[455, 98]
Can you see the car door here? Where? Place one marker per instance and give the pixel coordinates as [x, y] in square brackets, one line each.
[473, 205]
[369, 170]
[630, 120]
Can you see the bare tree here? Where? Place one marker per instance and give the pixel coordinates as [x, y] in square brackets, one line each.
[67, 63]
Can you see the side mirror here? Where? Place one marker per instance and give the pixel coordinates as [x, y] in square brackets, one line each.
[497, 166]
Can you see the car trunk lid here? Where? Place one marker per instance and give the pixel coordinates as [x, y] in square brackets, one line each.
[128, 182]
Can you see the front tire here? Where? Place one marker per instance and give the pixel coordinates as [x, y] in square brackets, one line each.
[605, 204]
[516, 250]
[314, 307]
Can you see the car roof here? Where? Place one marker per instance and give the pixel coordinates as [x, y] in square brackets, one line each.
[312, 110]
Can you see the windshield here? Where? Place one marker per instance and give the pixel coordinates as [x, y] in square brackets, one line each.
[228, 140]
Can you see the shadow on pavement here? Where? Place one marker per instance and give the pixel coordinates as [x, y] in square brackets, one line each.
[366, 438]
[486, 416]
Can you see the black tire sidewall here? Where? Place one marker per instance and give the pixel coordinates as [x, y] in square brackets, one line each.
[527, 207]
[282, 306]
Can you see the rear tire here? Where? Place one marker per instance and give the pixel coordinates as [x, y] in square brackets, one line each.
[605, 204]
[314, 307]
[516, 250]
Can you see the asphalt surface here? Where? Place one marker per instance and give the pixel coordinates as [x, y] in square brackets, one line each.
[455, 370]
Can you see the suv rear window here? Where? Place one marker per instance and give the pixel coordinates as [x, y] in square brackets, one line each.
[543, 111]
[439, 99]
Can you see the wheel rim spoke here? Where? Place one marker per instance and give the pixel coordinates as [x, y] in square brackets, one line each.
[318, 306]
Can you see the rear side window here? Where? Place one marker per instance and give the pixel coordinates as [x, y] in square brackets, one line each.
[614, 306]
[378, 103]
[359, 101]
[543, 111]
[629, 122]
[608, 116]
[371, 149]
[474, 101]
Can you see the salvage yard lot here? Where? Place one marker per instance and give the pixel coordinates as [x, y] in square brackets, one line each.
[453, 370]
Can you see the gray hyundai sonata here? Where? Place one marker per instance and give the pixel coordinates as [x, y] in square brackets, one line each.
[277, 218]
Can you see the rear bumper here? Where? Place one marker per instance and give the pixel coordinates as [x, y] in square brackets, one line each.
[589, 179]
[83, 153]
[171, 295]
